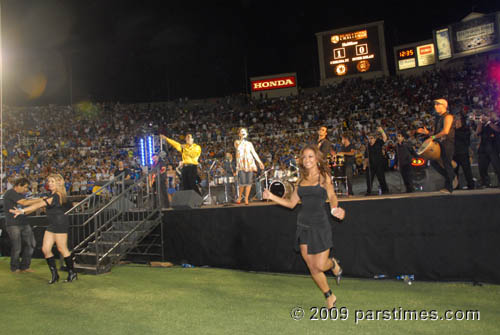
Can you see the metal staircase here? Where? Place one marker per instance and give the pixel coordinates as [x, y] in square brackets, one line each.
[113, 221]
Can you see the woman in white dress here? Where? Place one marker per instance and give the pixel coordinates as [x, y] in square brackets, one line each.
[245, 164]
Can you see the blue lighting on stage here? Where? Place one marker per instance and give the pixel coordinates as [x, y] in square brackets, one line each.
[150, 150]
[142, 152]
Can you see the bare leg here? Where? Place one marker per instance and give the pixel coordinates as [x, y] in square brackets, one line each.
[247, 193]
[318, 264]
[62, 244]
[240, 193]
[48, 242]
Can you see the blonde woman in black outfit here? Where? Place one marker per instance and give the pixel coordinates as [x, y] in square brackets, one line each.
[314, 232]
[57, 231]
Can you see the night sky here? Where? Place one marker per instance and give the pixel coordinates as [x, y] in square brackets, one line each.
[139, 51]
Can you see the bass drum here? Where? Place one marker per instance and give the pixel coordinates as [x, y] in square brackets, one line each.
[281, 188]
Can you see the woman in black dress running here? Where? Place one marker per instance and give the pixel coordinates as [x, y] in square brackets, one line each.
[57, 231]
[314, 233]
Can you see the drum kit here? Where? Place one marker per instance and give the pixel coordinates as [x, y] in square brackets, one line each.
[280, 184]
[214, 183]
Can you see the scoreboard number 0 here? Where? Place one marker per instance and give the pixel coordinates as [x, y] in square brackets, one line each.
[361, 49]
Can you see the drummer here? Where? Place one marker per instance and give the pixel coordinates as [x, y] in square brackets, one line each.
[444, 133]
[348, 152]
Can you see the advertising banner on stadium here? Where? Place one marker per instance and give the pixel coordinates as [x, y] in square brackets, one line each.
[443, 43]
[425, 54]
[475, 34]
[273, 86]
[274, 83]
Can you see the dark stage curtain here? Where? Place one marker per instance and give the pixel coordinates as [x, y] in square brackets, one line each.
[451, 237]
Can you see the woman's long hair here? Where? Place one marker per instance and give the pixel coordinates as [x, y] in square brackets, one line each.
[60, 188]
[323, 167]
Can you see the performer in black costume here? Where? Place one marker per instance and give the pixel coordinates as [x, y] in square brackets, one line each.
[404, 155]
[488, 128]
[461, 156]
[314, 232]
[57, 230]
[375, 162]
[444, 132]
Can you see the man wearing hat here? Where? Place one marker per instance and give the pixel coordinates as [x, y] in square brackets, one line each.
[190, 154]
[444, 134]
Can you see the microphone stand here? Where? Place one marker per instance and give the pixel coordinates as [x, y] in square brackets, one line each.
[266, 180]
[209, 195]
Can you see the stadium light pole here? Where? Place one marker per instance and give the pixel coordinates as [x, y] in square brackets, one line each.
[1, 104]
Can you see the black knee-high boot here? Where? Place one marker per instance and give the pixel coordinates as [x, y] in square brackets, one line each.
[71, 270]
[51, 262]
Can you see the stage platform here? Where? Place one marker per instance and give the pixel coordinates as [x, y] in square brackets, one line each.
[368, 198]
[433, 235]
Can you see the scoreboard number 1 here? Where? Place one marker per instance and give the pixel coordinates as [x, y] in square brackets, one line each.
[339, 53]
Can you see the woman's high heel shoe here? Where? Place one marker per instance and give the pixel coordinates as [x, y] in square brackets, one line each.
[328, 295]
[338, 276]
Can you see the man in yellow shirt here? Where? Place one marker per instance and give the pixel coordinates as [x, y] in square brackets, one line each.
[190, 153]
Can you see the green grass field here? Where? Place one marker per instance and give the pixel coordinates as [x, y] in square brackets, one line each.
[136, 299]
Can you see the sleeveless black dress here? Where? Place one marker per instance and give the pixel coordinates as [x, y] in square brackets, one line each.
[313, 226]
[58, 222]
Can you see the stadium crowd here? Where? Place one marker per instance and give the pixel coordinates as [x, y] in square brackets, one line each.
[84, 142]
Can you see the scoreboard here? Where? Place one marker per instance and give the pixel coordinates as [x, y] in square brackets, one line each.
[416, 55]
[407, 58]
[351, 51]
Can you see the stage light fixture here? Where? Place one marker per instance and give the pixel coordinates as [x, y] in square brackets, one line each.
[142, 152]
[150, 150]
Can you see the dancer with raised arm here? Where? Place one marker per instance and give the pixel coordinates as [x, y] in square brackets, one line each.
[314, 233]
[57, 231]
[245, 164]
[190, 152]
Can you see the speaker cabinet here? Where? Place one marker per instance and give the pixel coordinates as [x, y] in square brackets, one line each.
[188, 199]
